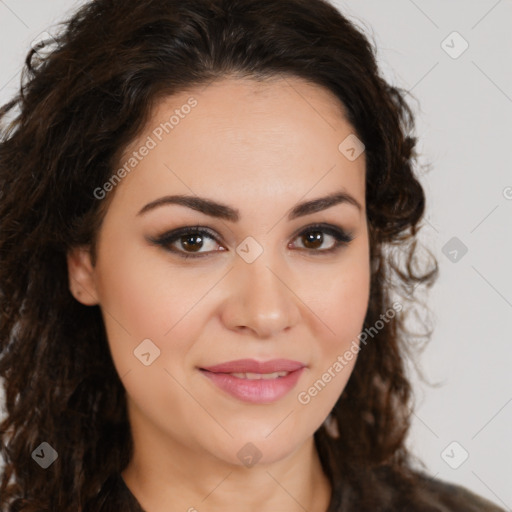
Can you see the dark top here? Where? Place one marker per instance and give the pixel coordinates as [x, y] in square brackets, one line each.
[431, 496]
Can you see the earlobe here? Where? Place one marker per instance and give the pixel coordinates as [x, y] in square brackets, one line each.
[81, 274]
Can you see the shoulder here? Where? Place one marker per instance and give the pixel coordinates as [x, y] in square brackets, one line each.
[419, 492]
[449, 496]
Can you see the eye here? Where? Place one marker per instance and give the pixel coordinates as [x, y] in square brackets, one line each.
[190, 239]
[313, 237]
[187, 242]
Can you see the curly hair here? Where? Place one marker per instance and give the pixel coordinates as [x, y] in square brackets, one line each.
[78, 107]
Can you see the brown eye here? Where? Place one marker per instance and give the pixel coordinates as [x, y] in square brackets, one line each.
[314, 237]
[187, 242]
[191, 242]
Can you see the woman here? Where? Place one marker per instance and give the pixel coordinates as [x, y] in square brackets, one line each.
[200, 310]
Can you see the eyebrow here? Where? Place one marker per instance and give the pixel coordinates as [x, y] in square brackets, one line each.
[223, 211]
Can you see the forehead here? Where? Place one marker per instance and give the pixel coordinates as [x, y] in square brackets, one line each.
[271, 102]
[276, 137]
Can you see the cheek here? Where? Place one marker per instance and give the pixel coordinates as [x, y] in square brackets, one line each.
[141, 300]
[340, 309]
[141, 288]
[340, 297]
[348, 304]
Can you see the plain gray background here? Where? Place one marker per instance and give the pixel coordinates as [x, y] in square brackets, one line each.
[465, 134]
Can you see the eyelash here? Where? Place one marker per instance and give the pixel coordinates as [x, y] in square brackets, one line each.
[341, 237]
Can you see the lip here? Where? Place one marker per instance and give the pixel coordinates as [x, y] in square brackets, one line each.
[257, 391]
[253, 366]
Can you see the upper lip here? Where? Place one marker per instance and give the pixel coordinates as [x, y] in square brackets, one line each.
[253, 366]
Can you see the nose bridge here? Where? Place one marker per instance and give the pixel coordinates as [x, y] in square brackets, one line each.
[261, 300]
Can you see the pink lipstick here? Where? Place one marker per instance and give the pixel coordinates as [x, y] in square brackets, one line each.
[253, 381]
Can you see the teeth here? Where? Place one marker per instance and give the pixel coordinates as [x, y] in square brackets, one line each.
[256, 376]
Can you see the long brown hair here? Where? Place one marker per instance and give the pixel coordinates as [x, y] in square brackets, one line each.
[78, 107]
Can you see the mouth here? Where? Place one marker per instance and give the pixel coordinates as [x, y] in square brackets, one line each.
[257, 376]
[255, 382]
[256, 367]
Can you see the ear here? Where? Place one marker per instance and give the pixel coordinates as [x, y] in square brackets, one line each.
[81, 274]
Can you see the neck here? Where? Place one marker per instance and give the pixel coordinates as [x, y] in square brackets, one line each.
[183, 479]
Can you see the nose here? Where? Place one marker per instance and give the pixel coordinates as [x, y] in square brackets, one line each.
[261, 298]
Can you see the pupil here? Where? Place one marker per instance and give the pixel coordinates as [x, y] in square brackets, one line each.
[188, 244]
[314, 236]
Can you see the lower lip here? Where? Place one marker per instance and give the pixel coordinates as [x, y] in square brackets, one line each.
[256, 391]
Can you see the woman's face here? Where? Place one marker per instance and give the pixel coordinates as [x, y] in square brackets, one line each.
[261, 283]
